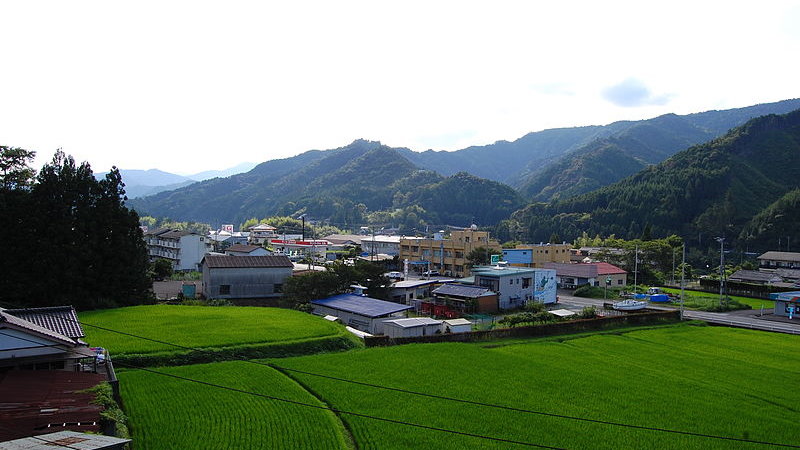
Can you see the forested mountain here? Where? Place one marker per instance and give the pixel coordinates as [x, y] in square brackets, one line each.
[342, 186]
[719, 188]
[633, 147]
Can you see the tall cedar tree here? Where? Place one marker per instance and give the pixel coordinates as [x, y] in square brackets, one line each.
[87, 249]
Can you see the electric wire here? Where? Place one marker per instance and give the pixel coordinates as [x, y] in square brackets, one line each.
[328, 408]
[455, 399]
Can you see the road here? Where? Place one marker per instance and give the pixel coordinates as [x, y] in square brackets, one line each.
[739, 319]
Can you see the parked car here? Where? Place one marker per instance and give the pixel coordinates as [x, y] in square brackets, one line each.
[431, 273]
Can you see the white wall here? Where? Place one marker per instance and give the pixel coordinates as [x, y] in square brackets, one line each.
[38, 348]
[192, 249]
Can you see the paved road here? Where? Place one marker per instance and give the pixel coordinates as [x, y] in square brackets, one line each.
[740, 319]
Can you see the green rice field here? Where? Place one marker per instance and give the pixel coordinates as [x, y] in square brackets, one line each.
[200, 326]
[709, 380]
[168, 413]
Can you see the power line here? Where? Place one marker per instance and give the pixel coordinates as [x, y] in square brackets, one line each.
[328, 408]
[455, 399]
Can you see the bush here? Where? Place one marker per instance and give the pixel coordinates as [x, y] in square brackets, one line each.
[112, 416]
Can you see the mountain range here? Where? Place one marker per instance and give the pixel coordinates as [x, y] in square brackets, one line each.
[141, 183]
[366, 180]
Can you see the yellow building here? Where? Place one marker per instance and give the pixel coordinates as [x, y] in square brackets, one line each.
[537, 255]
[447, 256]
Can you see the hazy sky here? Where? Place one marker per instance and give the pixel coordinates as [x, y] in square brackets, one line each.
[189, 86]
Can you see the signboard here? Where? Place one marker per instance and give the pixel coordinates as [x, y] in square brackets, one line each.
[228, 228]
[300, 243]
[495, 259]
[544, 289]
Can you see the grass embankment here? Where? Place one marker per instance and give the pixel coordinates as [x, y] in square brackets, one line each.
[700, 379]
[223, 333]
[697, 300]
[170, 413]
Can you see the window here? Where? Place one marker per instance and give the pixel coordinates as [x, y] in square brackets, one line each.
[526, 283]
[511, 281]
[619, 281]
[224, 289]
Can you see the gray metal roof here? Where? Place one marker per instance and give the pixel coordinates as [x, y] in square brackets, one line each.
[65, 439]
[413, 322]
[461, 290]
[61, 319]
[363, 306]
[231, 261]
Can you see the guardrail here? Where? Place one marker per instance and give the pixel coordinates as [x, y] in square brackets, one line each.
[749, 325]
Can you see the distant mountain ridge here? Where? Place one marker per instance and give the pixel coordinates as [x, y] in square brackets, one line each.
[738, 186]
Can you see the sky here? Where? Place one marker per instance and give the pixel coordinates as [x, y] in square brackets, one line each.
[192, 86]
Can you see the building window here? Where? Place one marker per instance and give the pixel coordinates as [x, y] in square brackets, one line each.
[224, 289]
[526, 283]
[619, 281]
[511, 281]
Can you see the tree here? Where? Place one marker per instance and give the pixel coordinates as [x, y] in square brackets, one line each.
[15, 172]
[480, 256]
[299, 290]
[162, 268]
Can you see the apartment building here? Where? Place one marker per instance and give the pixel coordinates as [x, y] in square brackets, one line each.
[447, 256]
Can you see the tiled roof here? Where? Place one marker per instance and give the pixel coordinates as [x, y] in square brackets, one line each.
[30, 326]
[364, 306]
[781, 256]
[461, 290]
[584, 270]
[754, 275]
[792, 274]
[61, 319]
[230, 261]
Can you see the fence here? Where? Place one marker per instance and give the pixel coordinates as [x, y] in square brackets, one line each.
[550, 329]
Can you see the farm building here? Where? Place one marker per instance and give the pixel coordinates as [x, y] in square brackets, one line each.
[456, 326]
[245, 276]
[414, 326]
[787, 304]
[362, 313]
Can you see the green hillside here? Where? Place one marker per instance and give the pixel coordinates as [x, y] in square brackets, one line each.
[714, 188]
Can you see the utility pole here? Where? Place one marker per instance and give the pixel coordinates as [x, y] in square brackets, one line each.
[721, 241]
[683, 268]
[636, 270]
[673, 267]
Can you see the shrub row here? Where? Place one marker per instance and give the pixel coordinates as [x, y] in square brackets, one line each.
[341, 342]
[574, 326]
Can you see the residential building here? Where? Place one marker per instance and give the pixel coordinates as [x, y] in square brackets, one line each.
[787, 304]
[246, 250]
[571, 276]
[407, 291]
[381, 245]
[453, 299]
[536, 255]
[261, 233]
[42, 339]
[755, 277]
[183, 248]
[779, 260]
[242, 277]
[516, 286]
[360, 312]
[448, 256]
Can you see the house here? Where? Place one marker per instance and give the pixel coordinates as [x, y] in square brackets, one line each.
[571, 276]
[407, 291]
[183, 248]
[536, 255]
[453, 299]
[232, 277]
[246, 250]
[779, 260]
[362, 313]
[755, 277]
[447, 256]
[42, 339]
[411, 327]
[516, 286]
[787, 304]
[261, 233]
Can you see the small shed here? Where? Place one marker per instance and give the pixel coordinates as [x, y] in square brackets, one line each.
[456, 326]
[787, 304]
[416, 326]
[362, 313]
